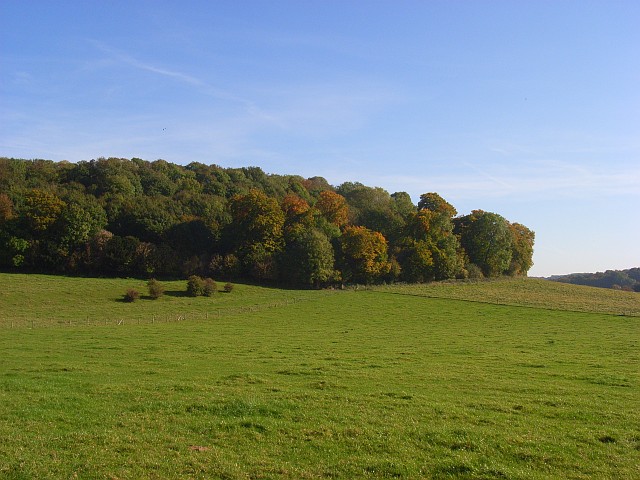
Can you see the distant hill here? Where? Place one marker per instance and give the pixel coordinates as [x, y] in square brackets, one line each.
[617, 279]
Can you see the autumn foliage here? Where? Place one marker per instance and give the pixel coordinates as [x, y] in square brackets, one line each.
[114, 216]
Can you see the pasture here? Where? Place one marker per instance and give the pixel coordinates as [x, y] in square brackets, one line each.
[391, 382]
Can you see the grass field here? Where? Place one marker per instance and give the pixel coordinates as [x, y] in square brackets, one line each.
[395, 382]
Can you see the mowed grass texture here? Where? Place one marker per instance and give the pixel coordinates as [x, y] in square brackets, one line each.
[353, 384]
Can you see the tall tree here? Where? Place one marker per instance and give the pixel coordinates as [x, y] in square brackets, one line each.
[6, 208]
[333, 207]
[364, 255]
[308, 258]
[522, 250]
[258, 223]
[487, 241]
[431, 230]
[434, 202]
[42, 209]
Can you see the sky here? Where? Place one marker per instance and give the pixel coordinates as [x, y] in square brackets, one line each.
[529, 109]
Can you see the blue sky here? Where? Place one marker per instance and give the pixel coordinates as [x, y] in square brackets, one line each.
[530, 109]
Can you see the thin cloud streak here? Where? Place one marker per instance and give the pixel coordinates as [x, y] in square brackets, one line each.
[565, 180]
[202, 86]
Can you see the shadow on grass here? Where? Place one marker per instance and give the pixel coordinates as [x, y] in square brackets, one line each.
[168, 293]
[177, 293]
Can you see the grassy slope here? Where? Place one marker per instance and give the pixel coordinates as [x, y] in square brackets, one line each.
[530, 292]
[43, 300]
[342, 385]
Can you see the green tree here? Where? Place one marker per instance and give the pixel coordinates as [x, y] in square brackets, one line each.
[257, 228]
[121, 256]
[192, 237]
[430, 230]
[308, 259]
[402, 204]
[487, 241]
[416, 260]
[435, 203]
[257, 219]
[146, 218]
[78, 223]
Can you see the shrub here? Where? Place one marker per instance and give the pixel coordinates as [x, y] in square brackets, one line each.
[195, 286]
[228, 287]
[210, 287]
[156, 289]
[474, 272]
[131, 295]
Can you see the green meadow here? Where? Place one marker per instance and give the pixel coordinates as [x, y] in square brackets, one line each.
[509, 379]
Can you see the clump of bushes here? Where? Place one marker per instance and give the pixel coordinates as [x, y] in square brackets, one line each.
[131, 295]
[198, 286]
[228, 287]
[156, 289]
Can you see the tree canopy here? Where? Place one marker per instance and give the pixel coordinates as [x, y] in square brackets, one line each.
[114, 216]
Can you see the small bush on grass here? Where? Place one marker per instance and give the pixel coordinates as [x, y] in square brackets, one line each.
[156, 289]
[475, 272]
[131, 295]
[228, 287]
[210, 287]
[195, 286]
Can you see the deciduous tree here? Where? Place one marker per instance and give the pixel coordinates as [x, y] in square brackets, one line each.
[308, 259]
[364, 255]
[487, 241]
[522, 249]
[333, 207]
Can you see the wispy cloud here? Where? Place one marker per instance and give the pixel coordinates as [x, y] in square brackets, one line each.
[185, 78]
[548, 179]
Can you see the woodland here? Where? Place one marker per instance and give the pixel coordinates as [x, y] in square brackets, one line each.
[131, 217]
[628, 279]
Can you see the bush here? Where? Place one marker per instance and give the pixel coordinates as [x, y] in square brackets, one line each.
[195, 286]
[131, 295]
[474, 272]
[228, 287]
[210, 287]
[156, 289]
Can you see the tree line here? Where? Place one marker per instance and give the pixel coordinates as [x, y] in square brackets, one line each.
[120, 217]
[628, 279]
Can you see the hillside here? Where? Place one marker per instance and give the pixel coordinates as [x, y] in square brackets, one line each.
[529, 292]
[628, 279]
[397, 382]
[46, 300]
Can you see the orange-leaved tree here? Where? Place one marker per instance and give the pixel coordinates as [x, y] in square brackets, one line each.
[333, 207]
[364, 255]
